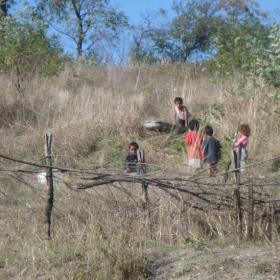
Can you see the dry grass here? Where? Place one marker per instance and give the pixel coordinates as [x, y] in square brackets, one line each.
[93, 114]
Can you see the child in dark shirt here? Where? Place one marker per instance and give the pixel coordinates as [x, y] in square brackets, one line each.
[130, 162]
[211, 150]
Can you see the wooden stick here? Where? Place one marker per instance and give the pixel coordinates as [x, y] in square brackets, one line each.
[49, 176]
[250, 213]
[238, 213]
[143, 171]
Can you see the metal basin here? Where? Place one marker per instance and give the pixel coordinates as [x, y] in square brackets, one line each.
[157, 126]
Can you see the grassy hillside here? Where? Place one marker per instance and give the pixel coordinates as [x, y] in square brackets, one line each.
[93, 113]
[87, 108]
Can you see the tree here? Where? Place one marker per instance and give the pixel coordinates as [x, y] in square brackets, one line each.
[89, 24]
[25, 49]
[197, 24]
[193, 26]
[4, 6]
[142, 49]
[266, 63]
[241, 24]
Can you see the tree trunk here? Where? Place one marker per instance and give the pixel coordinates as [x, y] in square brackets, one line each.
[4, 7]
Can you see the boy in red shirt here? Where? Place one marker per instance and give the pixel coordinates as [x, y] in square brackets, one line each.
[193, 142]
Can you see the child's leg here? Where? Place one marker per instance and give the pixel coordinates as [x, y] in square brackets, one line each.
[243, 158]
[211, 168]
[214, 168]
[182, 123]
[208, 168]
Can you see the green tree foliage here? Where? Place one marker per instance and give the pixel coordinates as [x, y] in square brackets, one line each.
[25, 49]
[203, 27]
[236, 29]
[266, 57]
[233, 48]
[177, 40]
[142, 47]
[190, 30]
[91, 25]
[3, 7]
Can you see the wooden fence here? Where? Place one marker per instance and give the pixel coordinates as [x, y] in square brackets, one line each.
[242, 196]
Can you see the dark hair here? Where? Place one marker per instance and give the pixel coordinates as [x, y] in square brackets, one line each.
[133, 144]
[178, 99]
[245, 129]
[194, 124]
[208, 130]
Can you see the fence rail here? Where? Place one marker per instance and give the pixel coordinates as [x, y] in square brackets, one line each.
[249, 197]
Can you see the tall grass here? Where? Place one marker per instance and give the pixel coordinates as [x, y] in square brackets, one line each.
[93, 113]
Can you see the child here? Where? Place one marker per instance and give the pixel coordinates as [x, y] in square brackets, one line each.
[244, 132]
[130, 162]
[211, 150]
[193, 141]
[181, 114]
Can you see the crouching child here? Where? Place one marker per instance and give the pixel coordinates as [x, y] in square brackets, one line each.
[131, 161]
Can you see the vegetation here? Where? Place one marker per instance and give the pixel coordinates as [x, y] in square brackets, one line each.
[25, 49]
[91, 25]
[94, 111]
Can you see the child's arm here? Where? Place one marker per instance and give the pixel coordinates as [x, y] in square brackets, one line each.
[219, 151]
[205, 149]
[203, 146]
[219, 154]
[202, 154]
[125, 165]
[242, 140]
[174, 114]
[237, 143]
[187, 139]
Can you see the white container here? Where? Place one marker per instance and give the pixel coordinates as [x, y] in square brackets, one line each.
[42, 178]
[157, 125]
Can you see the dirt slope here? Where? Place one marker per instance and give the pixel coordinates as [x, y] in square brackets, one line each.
[243, 262]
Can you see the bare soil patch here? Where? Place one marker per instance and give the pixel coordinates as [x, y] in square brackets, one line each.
[232, 262]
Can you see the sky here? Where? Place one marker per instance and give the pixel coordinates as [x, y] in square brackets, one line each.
[134, 8]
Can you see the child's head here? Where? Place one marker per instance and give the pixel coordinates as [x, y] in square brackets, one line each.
[178, 101]
[194, 124]
[133, 147]
[208, 130]
[244, 130]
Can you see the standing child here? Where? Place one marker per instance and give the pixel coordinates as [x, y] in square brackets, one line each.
[181, 114]
[131, 160]
[193, 142]
[244, 132]
[211, 150]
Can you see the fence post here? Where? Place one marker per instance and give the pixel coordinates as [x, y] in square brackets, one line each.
[143, 171]
[250, 213]
[238, 164]
[237, 159]
[145, 195]
[49, 177]
[270, 221]
[238, 213]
